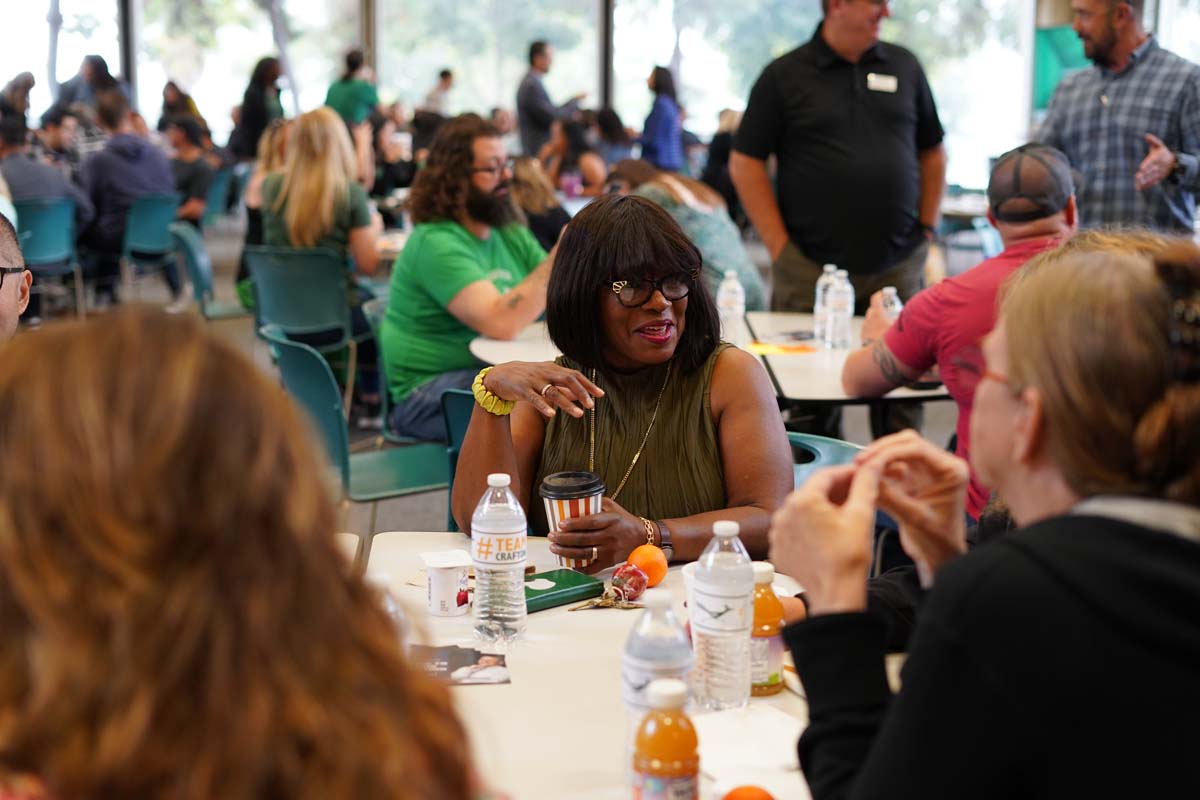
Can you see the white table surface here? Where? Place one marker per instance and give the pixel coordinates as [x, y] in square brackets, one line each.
[557, 731]
[350, 545]
[533, 344]
[816, 375]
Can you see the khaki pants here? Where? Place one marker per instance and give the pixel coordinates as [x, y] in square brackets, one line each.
[794, 280]
[793, 288]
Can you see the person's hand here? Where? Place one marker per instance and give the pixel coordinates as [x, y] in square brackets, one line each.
[924, 488]
[776, 248]
[793, 610]
[876, 322]
[1156, 166]
[614, 532]
[822, 537]
[544, 384]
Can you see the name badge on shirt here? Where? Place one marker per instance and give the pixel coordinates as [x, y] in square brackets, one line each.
[878, 82]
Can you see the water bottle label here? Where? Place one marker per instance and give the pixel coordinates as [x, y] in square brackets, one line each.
[636, 675]
[498, 549]
[766, 660]
[653, 787]
[717, 610]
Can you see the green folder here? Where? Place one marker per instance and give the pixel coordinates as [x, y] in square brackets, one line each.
[568, 586]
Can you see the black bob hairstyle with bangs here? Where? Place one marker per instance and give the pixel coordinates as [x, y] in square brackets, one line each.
[616, 238]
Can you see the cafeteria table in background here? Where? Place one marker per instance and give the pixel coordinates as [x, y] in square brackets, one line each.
[558, 730]
[816, 376]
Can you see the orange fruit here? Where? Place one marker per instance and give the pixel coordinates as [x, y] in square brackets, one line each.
[650, 560]
[748, 793]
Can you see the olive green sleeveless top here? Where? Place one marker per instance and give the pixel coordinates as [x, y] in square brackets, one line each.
[679, 472]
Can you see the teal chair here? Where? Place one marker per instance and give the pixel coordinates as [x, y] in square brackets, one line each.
[190, 243]
[47, 231]
[305, 291]
[148, 244]
[375, 310]
[818, 452]
[214, 200]
[457, 406]
[366, 477]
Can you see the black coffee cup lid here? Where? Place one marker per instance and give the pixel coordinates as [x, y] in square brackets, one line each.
[570, 485]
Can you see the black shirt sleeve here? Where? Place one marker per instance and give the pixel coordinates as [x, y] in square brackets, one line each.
[195, 180]
[929, 125]
[951, 732]
[893, 599]
[761, 128]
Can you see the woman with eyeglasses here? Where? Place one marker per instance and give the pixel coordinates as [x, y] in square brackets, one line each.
[682, 428]
[1059, 660]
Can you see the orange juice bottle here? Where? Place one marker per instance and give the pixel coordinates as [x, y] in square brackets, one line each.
[766, 642]
[666, 765]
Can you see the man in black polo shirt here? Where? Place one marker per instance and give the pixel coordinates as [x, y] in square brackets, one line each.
[861, 167]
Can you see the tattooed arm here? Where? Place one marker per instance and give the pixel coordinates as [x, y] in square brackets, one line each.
[483, 308]
[872, 371]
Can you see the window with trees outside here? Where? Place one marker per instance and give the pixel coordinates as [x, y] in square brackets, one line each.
[1179, 24]
[209, 49]
[717, 52]
[49, 39]
[486, 45]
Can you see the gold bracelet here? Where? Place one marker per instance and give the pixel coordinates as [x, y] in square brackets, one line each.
[490, 402]
[651, 529]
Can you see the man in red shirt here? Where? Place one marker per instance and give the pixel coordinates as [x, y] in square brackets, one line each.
[1031, 202]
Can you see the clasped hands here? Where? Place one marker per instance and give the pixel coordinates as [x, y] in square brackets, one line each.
[823, 535]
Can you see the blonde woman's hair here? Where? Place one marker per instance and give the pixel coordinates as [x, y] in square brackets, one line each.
[531, 186]
[178, 623]
[1101, 328]
[317, 174]
[272, 147]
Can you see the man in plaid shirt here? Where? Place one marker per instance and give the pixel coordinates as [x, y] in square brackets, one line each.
[1130, 125]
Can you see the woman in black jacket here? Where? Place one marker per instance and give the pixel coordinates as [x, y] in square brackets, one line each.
[1059, 660]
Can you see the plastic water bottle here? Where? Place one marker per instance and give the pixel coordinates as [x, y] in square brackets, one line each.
[841, 311]
[722, 614]
[892, 305]
[498, 539]
[657, 647]
[821, 302]
[731, 305]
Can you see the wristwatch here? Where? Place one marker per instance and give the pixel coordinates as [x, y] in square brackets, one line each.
[1176, 173]
[664, 541]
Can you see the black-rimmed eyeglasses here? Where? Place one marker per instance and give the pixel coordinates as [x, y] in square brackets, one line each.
[9, 271]
[496, 169]
[632, 294]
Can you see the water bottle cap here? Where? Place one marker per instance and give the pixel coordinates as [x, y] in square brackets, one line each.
[667, 693]
[831, 267]
[656, 598]
[498, 479]
[841, 273]
[725, 529]
[764, 572]
[731, 273]
[889, 290]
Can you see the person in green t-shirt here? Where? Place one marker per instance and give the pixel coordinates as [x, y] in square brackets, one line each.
[353, 96]
[468, 269]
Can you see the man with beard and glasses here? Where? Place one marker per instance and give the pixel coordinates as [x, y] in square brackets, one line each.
[1130, 125]
[468, 269]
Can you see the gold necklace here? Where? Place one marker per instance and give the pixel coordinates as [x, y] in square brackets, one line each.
[638, 454]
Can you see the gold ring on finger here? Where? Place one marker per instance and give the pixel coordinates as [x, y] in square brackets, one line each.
[545, 389]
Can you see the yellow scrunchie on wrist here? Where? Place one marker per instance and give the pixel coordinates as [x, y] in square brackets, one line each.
[490, 402]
